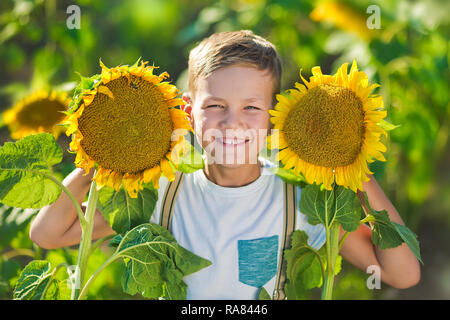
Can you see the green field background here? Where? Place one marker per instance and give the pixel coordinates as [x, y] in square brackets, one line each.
[408, 55]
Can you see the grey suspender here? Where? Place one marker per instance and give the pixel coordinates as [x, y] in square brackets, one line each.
[168, 202]
[290, 203]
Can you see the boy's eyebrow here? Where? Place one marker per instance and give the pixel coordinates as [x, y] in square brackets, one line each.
[256, 98]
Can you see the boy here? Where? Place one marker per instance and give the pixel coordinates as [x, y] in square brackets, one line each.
[231, 213]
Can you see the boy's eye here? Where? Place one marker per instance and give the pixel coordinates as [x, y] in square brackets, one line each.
[214, 106]
[251, 108]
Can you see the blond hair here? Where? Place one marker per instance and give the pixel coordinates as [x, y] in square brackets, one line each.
[233, 47]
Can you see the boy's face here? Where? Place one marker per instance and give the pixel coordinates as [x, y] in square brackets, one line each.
[230, 114]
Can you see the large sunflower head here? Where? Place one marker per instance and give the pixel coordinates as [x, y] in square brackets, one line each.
[41, 111]
[329, 129]
[127, 126]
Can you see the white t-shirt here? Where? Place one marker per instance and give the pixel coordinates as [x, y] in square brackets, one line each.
[238, 229]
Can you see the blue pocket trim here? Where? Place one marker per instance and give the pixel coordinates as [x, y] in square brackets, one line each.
[258, 260]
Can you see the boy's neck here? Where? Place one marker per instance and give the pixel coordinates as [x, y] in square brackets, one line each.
[232, 176]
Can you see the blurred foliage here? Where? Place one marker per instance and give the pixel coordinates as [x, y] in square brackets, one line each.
[408, 56]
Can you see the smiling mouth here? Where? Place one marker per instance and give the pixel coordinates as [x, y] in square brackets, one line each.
[232, 142]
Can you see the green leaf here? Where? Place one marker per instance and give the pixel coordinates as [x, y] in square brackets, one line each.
[123, 212]
[33, 280]
[36, 282]
[345, 213]
[155, 263]
[317, 204]
[387, 126]
[387, 234]
[12, 221]
[323, 206]
[25, 167]
[410, 238]
[84, 84]
[115, 241]
[9, 271]
[323, 253]
[304, 270]
[289, 176]
[191, 161]
[264, 295]
[384, 233]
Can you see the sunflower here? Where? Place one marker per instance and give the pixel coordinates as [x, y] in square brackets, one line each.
[124, 127]
[329, 130]
[41, 111]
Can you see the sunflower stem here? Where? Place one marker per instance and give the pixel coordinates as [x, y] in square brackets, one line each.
[341, 242]
[366, 209]
[332, 230]
[95, 274]
[332, 235]
[85, 243]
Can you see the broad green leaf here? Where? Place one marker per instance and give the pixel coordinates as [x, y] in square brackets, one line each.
[24, 169]
[387, 234]
[32, 280]
[123, 212]
[317, 204]
[323, 206]
[304, 269]
[384, 233]
[410, 238]
[345, 213]
[155, 263]
[36, 282]
[115, 241]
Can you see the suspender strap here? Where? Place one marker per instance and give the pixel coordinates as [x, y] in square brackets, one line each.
[290, 203]
[168, 202]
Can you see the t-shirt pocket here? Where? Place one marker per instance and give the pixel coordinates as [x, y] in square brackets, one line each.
[257, 260]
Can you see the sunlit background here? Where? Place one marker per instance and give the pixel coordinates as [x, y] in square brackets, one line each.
[407, 53]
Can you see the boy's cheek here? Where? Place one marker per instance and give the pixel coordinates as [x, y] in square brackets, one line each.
[201, 131]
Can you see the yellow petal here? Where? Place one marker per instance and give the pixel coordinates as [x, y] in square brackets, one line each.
[167, 170]
[150, 173]
[105, 90]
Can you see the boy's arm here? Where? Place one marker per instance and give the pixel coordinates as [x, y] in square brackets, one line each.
[399, 267]
[57, 225]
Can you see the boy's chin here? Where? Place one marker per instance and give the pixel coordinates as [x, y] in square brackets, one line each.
[235, 163]
[232, 165]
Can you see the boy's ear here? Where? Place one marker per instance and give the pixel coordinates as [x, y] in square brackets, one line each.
[188, 106]
[187, 97]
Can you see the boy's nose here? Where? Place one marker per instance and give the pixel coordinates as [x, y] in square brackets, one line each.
[233, 120]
